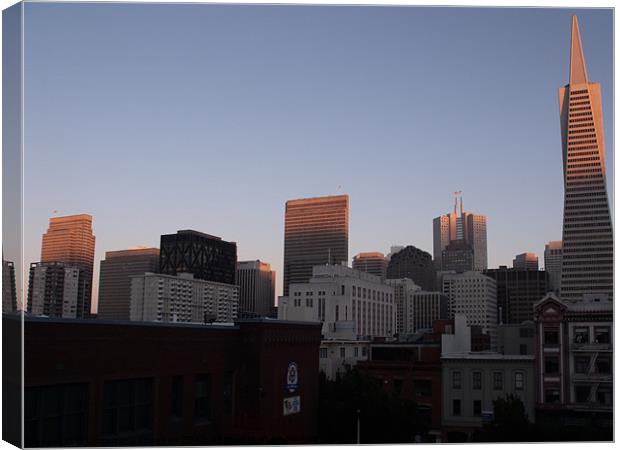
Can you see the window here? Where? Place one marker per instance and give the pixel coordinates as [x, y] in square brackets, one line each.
[582, 394]
[552, 366]
[523, 349]
[603, 395]
[551, 337]
[228, 392]
[581, 364]
[601, 335]
[202, 397]
[56, 415]
[552, 395]
[364, 351]
[498, 381]
[322, 352]
[353, 290]
[477, 408]
[337, 313]
[128, 412]
[581, 335]
[309, 302]
[456, 380]
[423, 388]
[456, 407]
[603, 365]
[343, 352]
[519, 381]
[356, 351]
[526, 332]
[177, 398]
[342, 289]
[477, 380]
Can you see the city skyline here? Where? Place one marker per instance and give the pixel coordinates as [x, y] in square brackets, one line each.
[399, 151]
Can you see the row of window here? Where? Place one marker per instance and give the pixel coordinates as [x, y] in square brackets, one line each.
[498, 380]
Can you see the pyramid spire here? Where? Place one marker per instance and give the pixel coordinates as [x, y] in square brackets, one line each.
[578, 73]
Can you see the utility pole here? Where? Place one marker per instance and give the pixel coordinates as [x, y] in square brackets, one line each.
[358, 426]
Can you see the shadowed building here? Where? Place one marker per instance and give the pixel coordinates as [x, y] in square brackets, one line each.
[525, 261]
[587, 259]
[553, 265]
[206, 257]
[415, 264]
[115, 279]
[9, 293]
[257, 288]
[458, 256]
[371, 262]
[316, 232]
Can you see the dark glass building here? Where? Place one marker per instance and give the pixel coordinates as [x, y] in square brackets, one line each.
[206, 257]
[415, 264]
[458, 256]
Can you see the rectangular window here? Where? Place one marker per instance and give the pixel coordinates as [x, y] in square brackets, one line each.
[581, 364]
[202, 397]
[551, 337]
[177, 397]
[552, 366]
[477, 408]
[337, 313]
[601, 335]
[552, 395]
[342, 289]
[582, 394]
[342, 352]
[523, 349]
[364, 351]
[603, 365]
[356, 352]
[323, 353]
[456, 380]
[581, 335]
[456, 407]
[353, 291]
[498, 381]
[128, 412]
[519, 383]
[477, 380]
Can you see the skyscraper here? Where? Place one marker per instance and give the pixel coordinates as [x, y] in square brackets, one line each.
[371, 262]
[415, 264]
[553, 265]
[70, 240]
[9, 292]
[587, 260]
[316, 232]
[257, 288]
[115, 279]
[468, 227]
[526, 260]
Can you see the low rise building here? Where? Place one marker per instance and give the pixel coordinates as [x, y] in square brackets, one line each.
[336, 356]
[516, 339]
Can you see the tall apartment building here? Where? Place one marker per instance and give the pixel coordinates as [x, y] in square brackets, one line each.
[166, 298]
[257, 289]
[468, 227]
[205, 256]
[70, 240]
[587, 259]
[574, 355]
[415, 264]
[517, 292]
[351, 304]
[59, 290]
[475, 296]
[115, 275]
[9, 293]
[316, 232]
[527, 261]
[371, 262]
[553, 265]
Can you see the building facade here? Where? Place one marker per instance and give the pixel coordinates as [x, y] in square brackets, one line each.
[475, 296]
[316, 232]
[553, 265]
[336, 356]
[257, 289]
[415, 264]
[350, 304]
[165, 298]
[587, 239]
[457, 256]
[528, 261]
[374, 263]
[9, 293]
[516, 338]
[115, 275]
[205, 256]
[517, 292]
[59, 290]
[403, 289]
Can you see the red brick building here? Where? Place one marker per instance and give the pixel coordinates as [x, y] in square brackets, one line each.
[98, 383]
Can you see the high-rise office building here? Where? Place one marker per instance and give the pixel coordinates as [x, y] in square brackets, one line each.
[525, 261]
[9, 293]
[415, 264]
[257, 289]
[70, 240]
[458, 256]
[468, 227]
[59, 290]
[415, 308]
[205, 256]
[316, 232]
[553, 265]
[587, 240]
[371, 262]
[115, 275]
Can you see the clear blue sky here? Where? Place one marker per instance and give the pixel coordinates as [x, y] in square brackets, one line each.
[155, 118]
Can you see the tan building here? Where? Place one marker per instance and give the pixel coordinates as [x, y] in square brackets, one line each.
[525, 261]
[587, 259]
[257, 288]
[371, 262]
[115, 279]
[316, 232]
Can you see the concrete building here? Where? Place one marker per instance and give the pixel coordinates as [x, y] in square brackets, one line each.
[115, 275]
[457, 256]
[517, 291]
[393, 250]
[9, 292]
[371, 262]
[205, 256]
[527, 261]
[105, 383]
[165, 298]
[257, 289]
[468, 227]
[475, 296]
[403, 289]
[316, 232]
[59, 290]
[415, 264]
[553, 265]
[587, 236]
[574, 355]
[70, 240]
[351, 304]
[516, 338]
[416, 309]
[336, 356]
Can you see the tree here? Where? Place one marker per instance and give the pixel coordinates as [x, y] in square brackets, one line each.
[510, 422]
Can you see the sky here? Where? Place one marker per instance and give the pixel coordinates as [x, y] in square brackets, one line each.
[155, 118]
